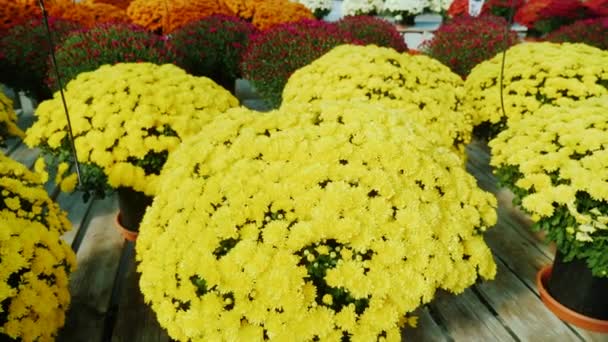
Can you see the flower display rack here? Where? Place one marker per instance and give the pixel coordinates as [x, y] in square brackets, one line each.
[108, 306]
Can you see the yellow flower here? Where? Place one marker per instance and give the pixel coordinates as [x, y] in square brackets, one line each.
[40, 168]
[536, 74]
[309, 233]
[18, 185]
[8, 119]
[126, 114]
[35, 302]
[555, 159]
[68, 184]
[426, 90]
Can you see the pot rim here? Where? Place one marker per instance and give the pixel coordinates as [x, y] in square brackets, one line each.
[129, 235]
[564, 313]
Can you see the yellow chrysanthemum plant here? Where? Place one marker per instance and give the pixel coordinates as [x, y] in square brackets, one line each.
[555, 163]
[535, 74]
[8, 120]
[430, 93]
[23, 195]
[34, 262]
[126, 119]
[298, 224]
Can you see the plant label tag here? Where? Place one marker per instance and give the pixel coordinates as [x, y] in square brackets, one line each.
[475, 7]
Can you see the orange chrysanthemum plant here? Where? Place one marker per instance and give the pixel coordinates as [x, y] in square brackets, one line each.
[164, 16]
[148, 14]
[88, 14]
[187, 11]
[273, 12]
[122, 4]
[245, 9]
[17, 12]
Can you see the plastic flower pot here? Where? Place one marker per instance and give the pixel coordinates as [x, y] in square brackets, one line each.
[127, 234]
[574, 295]
[132, 207]
[225, 81]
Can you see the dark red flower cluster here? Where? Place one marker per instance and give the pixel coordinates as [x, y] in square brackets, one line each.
[213, 47]
[26, 50]
[87, 50]
[592, 32]
[273, 55]
[373, 30]
[466, 41]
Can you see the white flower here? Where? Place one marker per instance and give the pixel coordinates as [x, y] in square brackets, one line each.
[314, 5]
[437, 6]
[410, 6]
[358, 7]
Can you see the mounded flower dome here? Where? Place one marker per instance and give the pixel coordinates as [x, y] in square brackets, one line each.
[127, 118]
[322, 221]
[429, 92]
[536, 74]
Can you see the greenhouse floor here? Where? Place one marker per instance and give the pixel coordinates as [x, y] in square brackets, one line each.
[107, 305]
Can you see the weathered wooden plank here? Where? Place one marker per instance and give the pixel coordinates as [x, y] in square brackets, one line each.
[135, 321]
[427, 329]
[521, 310]
[522, 223]
[11, 145]
[25, 155]
[590, 336]
[519, 255]
[468, 319]
[91, 285]
[77, 212]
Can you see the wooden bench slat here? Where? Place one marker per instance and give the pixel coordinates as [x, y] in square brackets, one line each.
[521, 310]
[91, 285]
[25, 155]
[11, 144]
[135, 321]
[427, 329]
[467, 318]
[77, 211]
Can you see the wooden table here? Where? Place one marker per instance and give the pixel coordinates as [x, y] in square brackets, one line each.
[107, 304]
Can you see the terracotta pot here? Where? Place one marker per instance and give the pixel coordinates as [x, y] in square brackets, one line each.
[574, 300]
[132, 205]
[129, 235]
